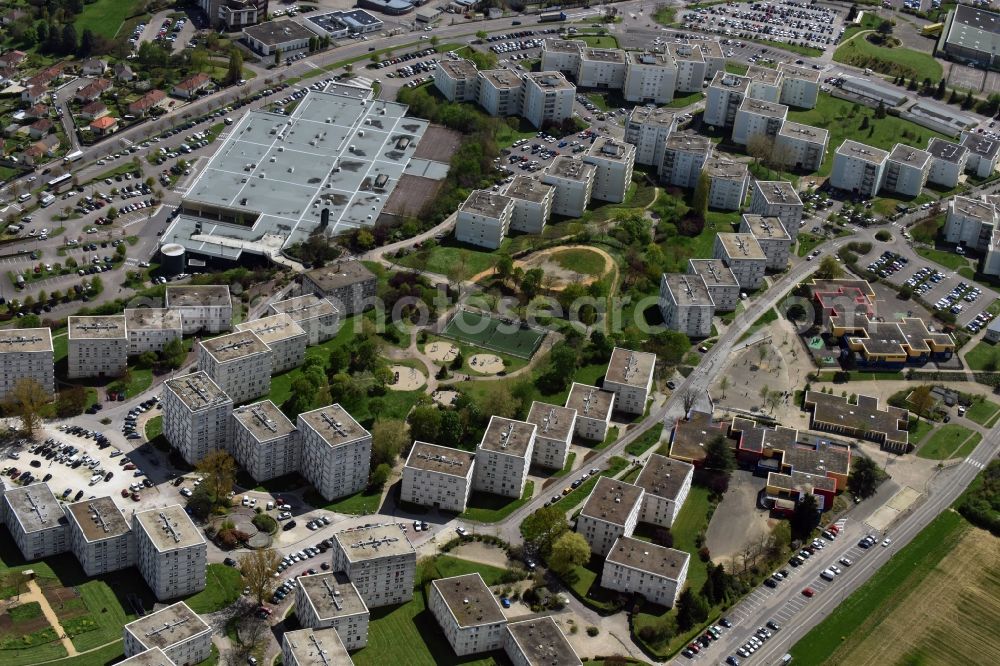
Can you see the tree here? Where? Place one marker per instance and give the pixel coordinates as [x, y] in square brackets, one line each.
[235, 70]
[504, 268]
[218, 471]
[864, 123]
[69, 43]
[568, 551]
[314, 43]
[380, 476]
[805, 517]
[389, 438]
[277, 57]
[691, 610]
[15, 581]
[880, 110]
[865, 477]
[26, 401]
[257, 568]
[884, 28]
[532, 282]
[563, 360]
[922, 400]
[87, 43]
[830, 268]
[481, 35]
[699, 203]
[688, 398]
[719, 455]
[173, 353]
[71, 401]
[434, 40]
[425, 423]
[939, 93]
[724, 384]
[543, 527]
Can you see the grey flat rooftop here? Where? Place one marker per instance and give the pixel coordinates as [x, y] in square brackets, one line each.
[604, 55]
[590, 402]
[440, 459]
[550, 80]
[663, 477]
[234, 346]
[35, 507]
[766, 228]
[719, 167]
[778, 192]
[947, 151]
[633, 368]
[339, 274]
[169, 528]
[612, 501]
[109, 327]
[564, 45]
[317, 647]
[650, 59]
[507, 436]
[526, 188]
[306, 307]
[688, 142]
[804, 132]
[151, 657]
[981, 146]
[197, 391]
[140, 319]
[469, 600]
[976, 29]
[25, 340]
[279, 172]
[759, 74]
[645, 556]
[486, 203]
[731, 82]
[264, 420]
[647, 115]
[570, 168]
[370, 543]
[796, 72]
[501, 78]
[277, 32]
[198, 295]
[685, 52]
[607, 148]
[910, 156]
[714, 272]
[688, 289]
[168, 626]
[975, 208]
[99, 519]
[542, 642]
[862, 152]
[710, 48]
[274, 328]
[459, 69]
[552, 421]
[332, 595]
[334, 425]
[761, 108]
[741, 246]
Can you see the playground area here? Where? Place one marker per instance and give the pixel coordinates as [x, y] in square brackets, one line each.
[406, 378]
[441, 352]
[486, 364]
[568, 265]
[505, 336]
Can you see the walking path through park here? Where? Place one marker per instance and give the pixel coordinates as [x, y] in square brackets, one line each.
[34, 593]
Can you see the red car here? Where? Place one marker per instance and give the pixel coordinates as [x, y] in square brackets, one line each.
[694, 647]
[124, 492]
[130, 466]
[808, 592]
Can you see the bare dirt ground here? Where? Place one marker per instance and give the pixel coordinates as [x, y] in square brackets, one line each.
[737, 521]
[409, 379]
[484, 553]
[438, 144]
[487, 364]
[441, 352]
[411, 195]
[446, 398]
[952, 617]
[558, 278]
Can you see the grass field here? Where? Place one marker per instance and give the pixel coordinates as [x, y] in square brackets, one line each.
[680, 101]
[358, 504]
[984, 356]
[487, 508]
[104, 17]
[457, 262]
[599, 41]
[154, 427]
[937, 601]
[842, 119]
[224, 586]
[488, 332]
[579, 260]
[983, 412]
[949, 441]
[947, 259]
[919, 431]
[897, 60]
[807, 243]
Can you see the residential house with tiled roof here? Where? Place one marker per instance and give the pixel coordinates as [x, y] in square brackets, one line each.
[191, 86]
[144, 104]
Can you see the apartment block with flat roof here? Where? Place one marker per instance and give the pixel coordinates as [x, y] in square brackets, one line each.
[778, 198]
[799, 86]
[729, 181]
[97, 346]
[532, 204]
[457, 80]
[316, 316]
[684, 157]
[314, 647]
[711, 51]
[483, 219]
[948, 160]
[196, 415]
[765, 83]
[613, 162]
[331, 601]
[639, 567]
[772, 238]
[611, 512]
[203, 308]
[336, 451]
[176, 630]
[630, 378]
[286, 340]
[691, 67]
[548, 98]
[150, 329]
[666, 483]
[725, 94]
[264, 441]
[601, 68]
[647, 128]
[756, 118]
[379, 561]
[503, 457]
[348, 285]
[500, 92]
[555, 426]
[722, 285]
[593, 410]
[744, 256]
[983, 154]
[802, 147]
[36, 520]
[573, 183]
[858, 168]
[171, 553]
[151, 657]
[438, 477]
[240, 363]
[99, 536]
[538, 641]
[906, 170]
[650, 77]
[26, 353]
[971, 222]
[468, 614]
[562, 55]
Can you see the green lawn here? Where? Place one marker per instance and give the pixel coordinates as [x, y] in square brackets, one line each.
[646, 441]
[599, 41]
[983, 412]
[599, 100]
[223, 588]
[893, 61]
[949, 441]
[808, 242]
[104, 17]
[358, 504]
[445, 566]
[843, 120]
[919, 431]
[665, 15]
[949, 260]
[154, 427]
[580, 261]
[855, 617]
[60, 345]
[567, 468]
[984, 356]
[140, 380]
[457, 262]
[581, 492]
[487, 508]
[682, 100]
[807, 51]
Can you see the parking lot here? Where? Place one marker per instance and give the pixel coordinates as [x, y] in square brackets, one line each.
[790, 22]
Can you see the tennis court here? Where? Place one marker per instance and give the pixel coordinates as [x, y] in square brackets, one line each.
[507, 336]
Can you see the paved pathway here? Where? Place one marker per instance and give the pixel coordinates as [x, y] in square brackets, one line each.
[34, 593]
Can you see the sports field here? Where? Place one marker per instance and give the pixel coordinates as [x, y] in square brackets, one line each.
[506, 336]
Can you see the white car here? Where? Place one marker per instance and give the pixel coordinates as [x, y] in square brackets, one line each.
[186, 492]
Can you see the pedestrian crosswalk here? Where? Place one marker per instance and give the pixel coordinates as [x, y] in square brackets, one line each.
[975, 463]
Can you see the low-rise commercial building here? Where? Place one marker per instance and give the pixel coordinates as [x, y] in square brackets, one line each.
[264, 441]
[503, 457]
[538, 641]
[948, 160]
[336, 451]
[647, 128]
[744, 256]
[799, 86]
[314, 647]
[772, 237]
[613, 162]
[865, 420]
[802, 147]
[379, 561]
[722, 285]
[286, 340]
[666, 483]
[150, 329]
[983, 154]
[100, 537]
[858, 168]
[438, 477]
[692, 434]
[611, 512]
[196, 415]
[729, 181]
[330, 601]
[650, 77]
[684, 157]
[630, 378]
[906, 170]
[725, 94]
[778, 198]
[483, 219]
[36, 520]
[468, 614]
[593, 410]
[548, 98]
[285, 36]
[639, 567]
[573, 183]
[316, 316]
[175, 630]
[970, 35]
[203, 308]
[532, 204]
[171, 553]
[349, 285]
[240, 363]
[26, 353]
[757, 118]
[554, 433]
[97, 346]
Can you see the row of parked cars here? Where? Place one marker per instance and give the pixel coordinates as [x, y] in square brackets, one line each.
[887, 264]
[129, 426]
[405, 57]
